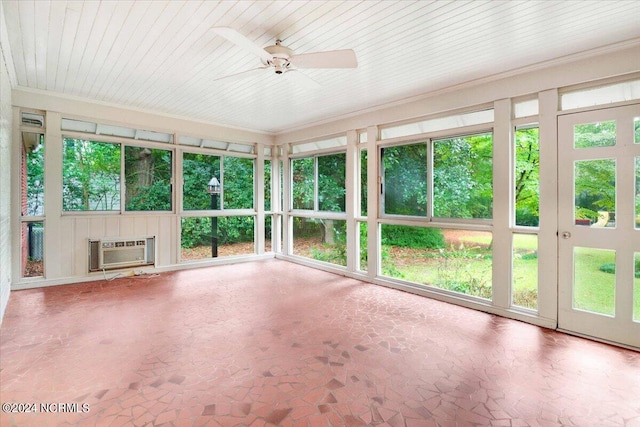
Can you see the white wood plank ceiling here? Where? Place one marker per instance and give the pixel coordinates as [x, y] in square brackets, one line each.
[162, 56]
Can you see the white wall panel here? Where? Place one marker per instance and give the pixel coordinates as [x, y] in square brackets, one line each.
[80, 246]
[66, 253]
[6, 123]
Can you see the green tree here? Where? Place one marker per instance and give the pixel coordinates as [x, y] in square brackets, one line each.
[90, 175]
[405, 179]
[527, 176]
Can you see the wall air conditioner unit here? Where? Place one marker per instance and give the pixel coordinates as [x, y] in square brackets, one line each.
[112, 253]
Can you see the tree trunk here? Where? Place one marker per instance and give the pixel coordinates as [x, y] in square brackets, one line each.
[141, 172]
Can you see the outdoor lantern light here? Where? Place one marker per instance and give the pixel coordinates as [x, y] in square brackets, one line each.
[214, 188]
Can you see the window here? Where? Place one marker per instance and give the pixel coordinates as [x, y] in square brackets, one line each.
[524, 291]
[319, 183]
[331, 182]
[32, 201]
[527, 177]
[147, 174]
[320, 239]
[405, 179]
[208, 237]
[438, 124]
[92, 176]
[463, 177]
[197, 171]
[453, 260]
[237, 183]
[267, 185]
[235, 175]
[602, 95]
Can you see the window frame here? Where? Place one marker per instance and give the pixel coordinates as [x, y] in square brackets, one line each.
[428, 139]
[123, 143]
[316, 202]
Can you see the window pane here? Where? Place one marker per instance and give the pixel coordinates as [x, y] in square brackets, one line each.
[147, 174]
[303, 177]
[455, 260]
[441, 123]
[201, 237]
[90, 176]
[33, 173]
[32, 247]
[636, 130]
[463, 177]
[595, 192]
[594, 280]
[363, 183]
[331, 182]
[197, 171]
[267, 185]
[405, 179]
[527, 177]
[525, 108]
[599, 134]
[363, 262]
[525, 271]
[618, 92]
[320, 239]
[268, 226]
[237, 183]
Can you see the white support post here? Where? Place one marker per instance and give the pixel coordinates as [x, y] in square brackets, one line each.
[351, 184]
[547, 237]
[53, 237]
[373, 202]
[276, 202]
[502, 203]
[287, 223]
[259, 200]
[15, 205]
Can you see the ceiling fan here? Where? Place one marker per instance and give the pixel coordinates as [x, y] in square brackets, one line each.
[283, 59]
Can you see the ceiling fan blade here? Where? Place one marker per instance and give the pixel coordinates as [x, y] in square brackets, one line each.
[241, 74]
[330, 59]
[300, 78]
[235, 37]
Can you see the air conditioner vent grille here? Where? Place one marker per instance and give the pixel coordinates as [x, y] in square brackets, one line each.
[106, 254]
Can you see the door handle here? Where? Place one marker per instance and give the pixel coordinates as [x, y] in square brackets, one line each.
[566, 235]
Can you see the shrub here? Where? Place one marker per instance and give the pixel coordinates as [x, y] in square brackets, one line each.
[412, 237]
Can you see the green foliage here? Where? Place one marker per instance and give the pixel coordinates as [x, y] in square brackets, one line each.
[303, 177]
[405, 179]
[90, 175]
[463, 177]
[237, 182]
[335, 254]
[595, 187]
[197, 170]
[527, 177]
[363, 183]
[610, 267]
[455, 272]
[35, 179]
[148, 177]
[599, 134]
[412, 237]
[331, 182]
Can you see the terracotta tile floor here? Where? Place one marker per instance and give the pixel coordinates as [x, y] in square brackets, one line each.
[275, 343]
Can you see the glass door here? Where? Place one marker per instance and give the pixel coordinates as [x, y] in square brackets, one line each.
[599, 224]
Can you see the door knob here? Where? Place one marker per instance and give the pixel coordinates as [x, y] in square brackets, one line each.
[566, 235]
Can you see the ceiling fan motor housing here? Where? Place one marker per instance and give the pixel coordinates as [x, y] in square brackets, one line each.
[281, 56]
